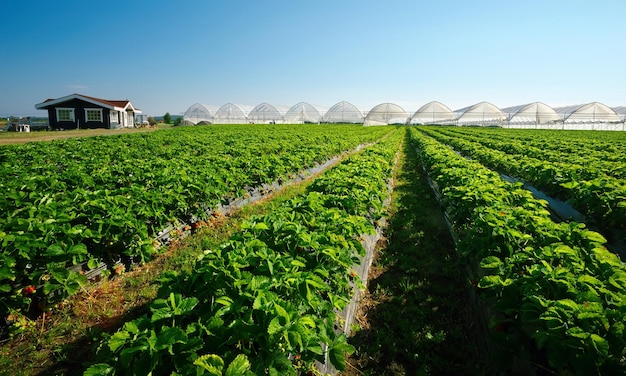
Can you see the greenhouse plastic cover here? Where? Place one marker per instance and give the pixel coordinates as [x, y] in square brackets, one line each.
[535, 113]
[267, 113]
[199, 112]
[433, 113]
[302, 113]
[385, 114]
[232, 114]
[483, 113]
[343, 112]
[593, 116]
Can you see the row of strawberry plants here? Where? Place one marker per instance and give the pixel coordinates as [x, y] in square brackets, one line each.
[559, 296]
[96, 199]
[584, 158]
[264, 302]
[600, 197]
[603, 146]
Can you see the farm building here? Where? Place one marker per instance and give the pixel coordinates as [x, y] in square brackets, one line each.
[78, 111]
[385, 114]
[343, 112]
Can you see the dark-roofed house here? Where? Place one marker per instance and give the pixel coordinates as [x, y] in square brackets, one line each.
[78, 111]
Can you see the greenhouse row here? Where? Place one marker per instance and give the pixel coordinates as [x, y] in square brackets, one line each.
[590, 116]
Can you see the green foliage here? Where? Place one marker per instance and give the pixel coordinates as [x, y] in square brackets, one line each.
[554, 285]
[78, 202]
[167, 118]
[265, 301]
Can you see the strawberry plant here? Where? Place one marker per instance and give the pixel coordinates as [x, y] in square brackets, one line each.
[71, 204]
[554, 291]
[269, 296]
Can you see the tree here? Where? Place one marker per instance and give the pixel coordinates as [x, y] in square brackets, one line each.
[151, 121]
[167, 118]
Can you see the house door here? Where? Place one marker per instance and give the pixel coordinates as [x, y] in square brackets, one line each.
[129, 119]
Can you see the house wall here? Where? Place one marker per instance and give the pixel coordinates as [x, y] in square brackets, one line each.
[79, 116]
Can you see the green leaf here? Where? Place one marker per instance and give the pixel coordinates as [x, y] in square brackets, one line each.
[307, 321]
[118, 340]
[210, 363]
[238, 367]
[186, 305]
[99, 370]
[78, 249]
[224, 300]
[93, 263]
[274, 326]
[7, 272]
[594, 237]
[261, 226]
[127, 355]
[170, 336]
[567, 304]
[490, 262]
[281, 312]
[491, 281]
[337, 352]
[600, 344]
[54, 250]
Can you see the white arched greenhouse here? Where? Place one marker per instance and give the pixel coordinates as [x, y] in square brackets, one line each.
[386, 114]
[532, 115]
[621, 112]
[343, 112]
[232, 114]
[482, 114]
[590, 116]
[433, 113]
[266, 113]
[301, 113]
[199, 113]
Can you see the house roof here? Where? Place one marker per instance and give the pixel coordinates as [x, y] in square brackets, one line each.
[119, 105]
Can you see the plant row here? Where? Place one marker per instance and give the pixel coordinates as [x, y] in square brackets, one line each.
[556, 295]
[601, 197]
[265, 301]
[84, 201]
[553, 145]
[584, 155]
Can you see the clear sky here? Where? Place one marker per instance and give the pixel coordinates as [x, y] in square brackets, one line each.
[167, 55]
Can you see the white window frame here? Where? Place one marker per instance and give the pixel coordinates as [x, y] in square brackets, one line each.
[71, 112]
[114, 116]
[95, 110]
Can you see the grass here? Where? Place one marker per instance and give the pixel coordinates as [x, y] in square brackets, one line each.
[415, 317]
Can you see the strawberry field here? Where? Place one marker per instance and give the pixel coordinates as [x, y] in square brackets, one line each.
[547, 294]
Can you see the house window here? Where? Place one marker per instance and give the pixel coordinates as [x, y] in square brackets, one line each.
[65, 114]
[93, 114]
[115, 116]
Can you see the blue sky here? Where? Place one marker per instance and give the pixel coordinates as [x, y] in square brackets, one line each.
[167, 55]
